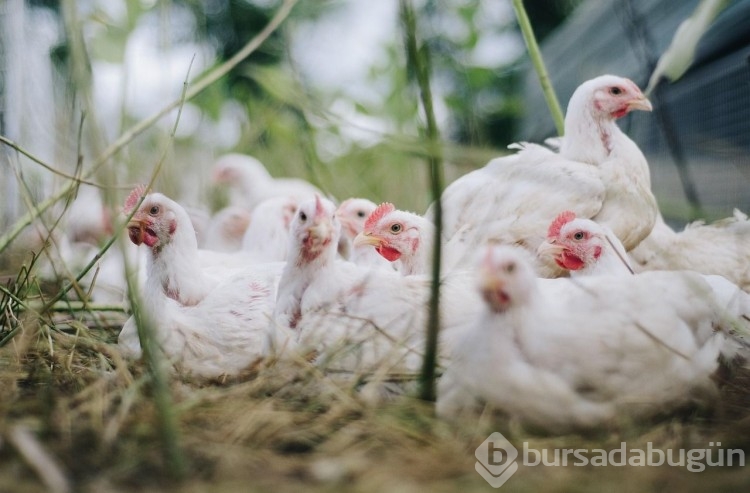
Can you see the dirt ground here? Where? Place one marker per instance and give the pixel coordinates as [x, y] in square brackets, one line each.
[290, 428]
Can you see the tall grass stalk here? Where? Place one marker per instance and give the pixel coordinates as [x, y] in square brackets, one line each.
[18, 148]
[152, 354]
[541, 71]
[418, 60]
[155, 362]
[13, 300]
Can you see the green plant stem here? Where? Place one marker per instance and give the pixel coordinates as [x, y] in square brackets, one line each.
[72, 306]
[541, 71]
[419, 61]
[13, 297]
[152, 354]
[13, 145]
[64, 290]
[14, 301]
[144, 124]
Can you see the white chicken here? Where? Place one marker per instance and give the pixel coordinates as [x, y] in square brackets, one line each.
[250, 183]
[267, 237]
[598, 173]
[586, 248]
[208, 325]
[399, 235]
[353, 214]
[165, 228]
[222, 335]
[356, 319]
[564, 353]
[226, 229]
[721, 248]
[204, 266]
[184, 272]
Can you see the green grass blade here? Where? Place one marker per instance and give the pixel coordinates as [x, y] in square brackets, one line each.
[418, 59]
[541, 71]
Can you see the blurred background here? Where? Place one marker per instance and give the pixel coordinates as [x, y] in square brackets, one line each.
[697, 139]
[327, 97]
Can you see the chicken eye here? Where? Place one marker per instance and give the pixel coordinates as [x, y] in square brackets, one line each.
[510, 268]
[302, 216]
[615, 91]
[361, 214]
[154, 210]
[395, 228]
[579, 235]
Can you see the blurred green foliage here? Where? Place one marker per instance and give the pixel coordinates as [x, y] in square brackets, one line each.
[287, 120]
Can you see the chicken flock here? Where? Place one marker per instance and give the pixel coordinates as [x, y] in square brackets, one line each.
[566, 300]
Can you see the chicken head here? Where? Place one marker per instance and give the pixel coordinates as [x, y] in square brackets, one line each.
[506, 277]
[155, 222]
[315, 228]
[614, 97]
[572, 242]
[393, 233]
[352, 214]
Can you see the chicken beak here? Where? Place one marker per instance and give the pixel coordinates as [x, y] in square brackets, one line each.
[320, 230]
[366, 239]
[640, 103]
[135, 230]
[549, 249]
[494, 293]
[489, 282]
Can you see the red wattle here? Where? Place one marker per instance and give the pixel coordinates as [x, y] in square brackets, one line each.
[620, 112]
[149, 238]
[390, 254]
[571, 262]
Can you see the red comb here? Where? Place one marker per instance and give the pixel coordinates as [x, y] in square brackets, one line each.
[561, 220]
[133, 198]
[378, 213]
[318, 206]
